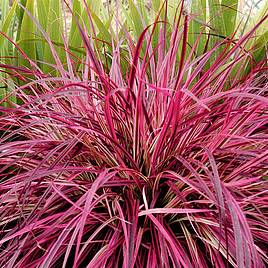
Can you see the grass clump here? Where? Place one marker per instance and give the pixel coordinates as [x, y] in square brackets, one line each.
[153, 157]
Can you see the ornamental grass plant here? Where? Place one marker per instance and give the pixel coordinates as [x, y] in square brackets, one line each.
[140, 151]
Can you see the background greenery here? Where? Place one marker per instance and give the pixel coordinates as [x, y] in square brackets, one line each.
[45, 30]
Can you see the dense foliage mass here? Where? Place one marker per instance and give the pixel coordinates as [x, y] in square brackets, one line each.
[136, 152]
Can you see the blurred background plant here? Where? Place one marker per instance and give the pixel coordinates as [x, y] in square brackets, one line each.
[108, 21]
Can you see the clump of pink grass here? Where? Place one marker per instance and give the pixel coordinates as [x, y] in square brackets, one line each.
[163, 164]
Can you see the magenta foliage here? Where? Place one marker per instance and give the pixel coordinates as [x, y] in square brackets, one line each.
[163, 164]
